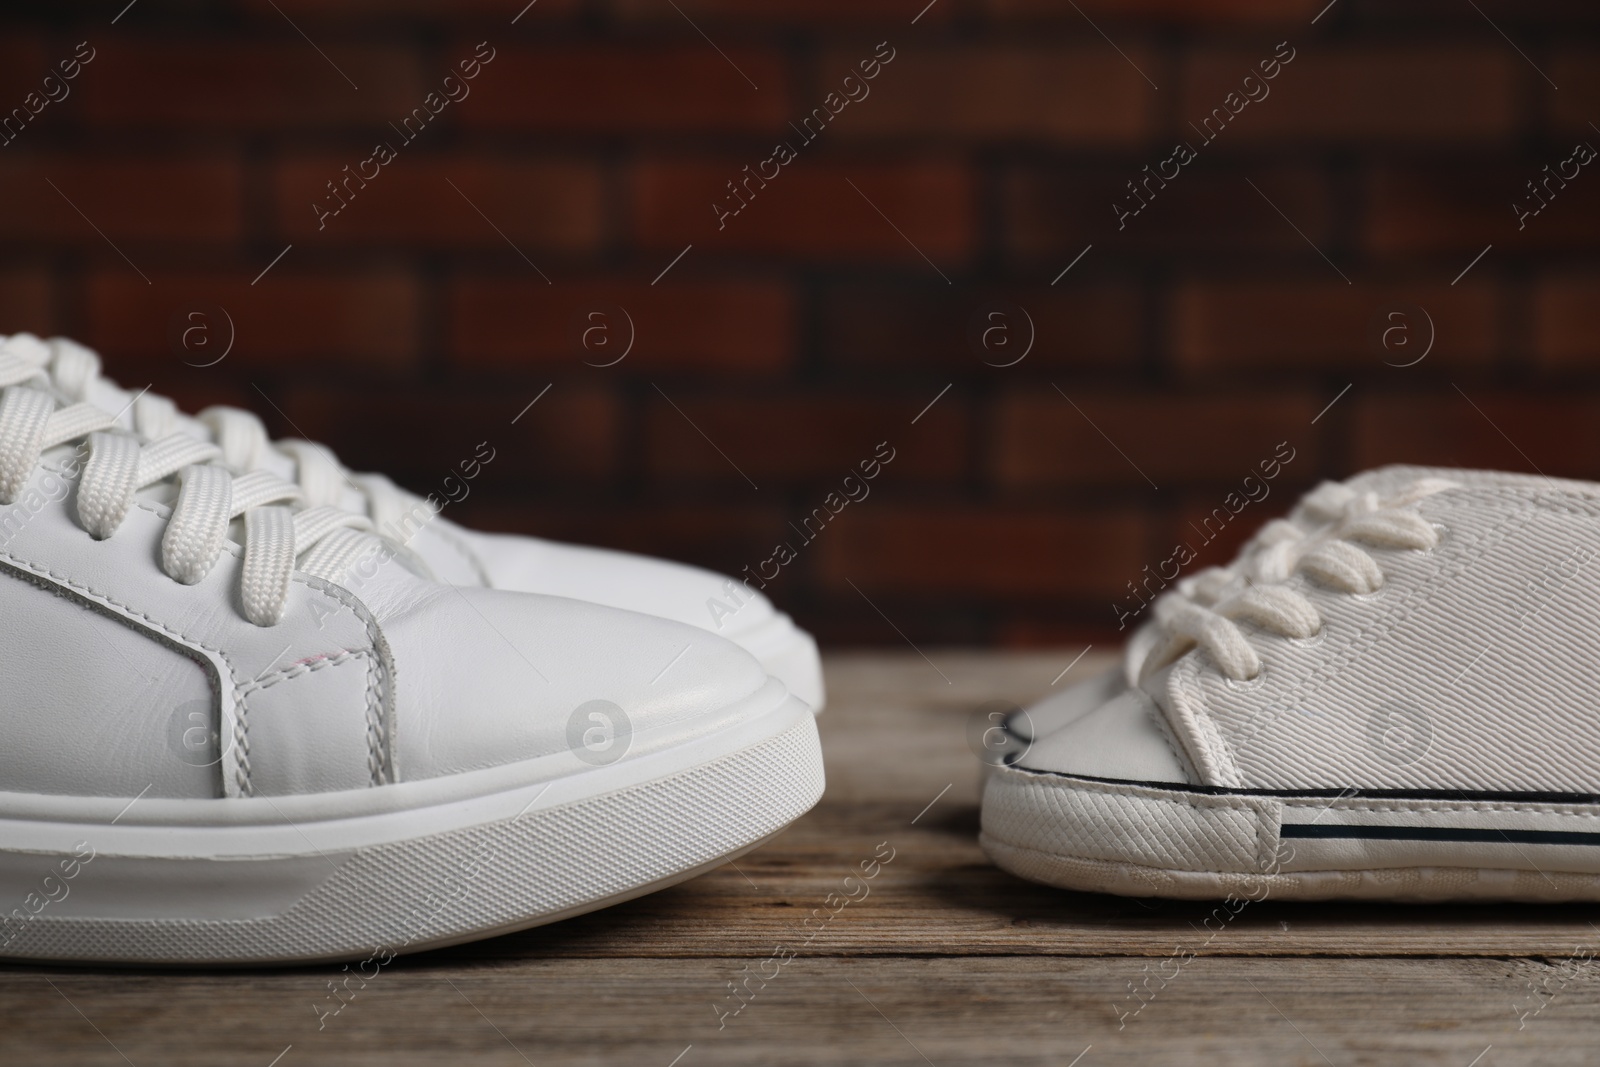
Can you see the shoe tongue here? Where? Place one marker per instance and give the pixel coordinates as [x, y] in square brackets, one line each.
[107, 395]
[27, 346]
[68, 459]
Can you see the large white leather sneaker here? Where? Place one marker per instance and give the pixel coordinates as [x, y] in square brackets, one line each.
[1401, 707]
[240, 730]
[725, 606]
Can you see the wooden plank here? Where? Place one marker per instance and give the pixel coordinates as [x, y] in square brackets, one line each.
[896, 731]
[821, 1011]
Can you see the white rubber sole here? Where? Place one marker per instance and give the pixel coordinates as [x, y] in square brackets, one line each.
[376, 873]
[1142, 839]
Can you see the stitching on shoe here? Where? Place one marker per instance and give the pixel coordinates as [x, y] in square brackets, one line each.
[375, 732]
[379, 740]
[241, 724]
[380, 769]
[374, 728]
[240, 731]
[241, 743]
[302, 668]
[1269, 833]
[1436, 807]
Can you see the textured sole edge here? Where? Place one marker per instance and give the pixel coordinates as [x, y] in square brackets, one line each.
[484, 879]
[1423, 885]
[1145, 839]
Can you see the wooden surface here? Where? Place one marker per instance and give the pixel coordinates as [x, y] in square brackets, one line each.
[946, 960]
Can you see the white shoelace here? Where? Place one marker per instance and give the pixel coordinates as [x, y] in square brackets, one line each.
[1205, 610]
[324, 540]
[242, 440]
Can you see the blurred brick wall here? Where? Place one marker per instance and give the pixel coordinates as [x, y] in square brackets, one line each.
[776, 353]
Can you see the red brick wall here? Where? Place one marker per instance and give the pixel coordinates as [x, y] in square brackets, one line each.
[821, 319]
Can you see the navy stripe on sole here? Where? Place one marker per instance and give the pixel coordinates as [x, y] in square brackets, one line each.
[1440, 833]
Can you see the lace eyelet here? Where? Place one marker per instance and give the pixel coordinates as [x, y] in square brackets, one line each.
[1376, 595]
[1313, 641]
[1246, 684]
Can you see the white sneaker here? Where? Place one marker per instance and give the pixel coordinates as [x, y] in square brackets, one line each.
[239, 730]
[1401, 707]
[1314, 512]
[725, 606]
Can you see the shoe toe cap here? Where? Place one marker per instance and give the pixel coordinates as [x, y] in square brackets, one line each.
[1067, 706]
[487, 677]
[1122, 739]
[626, 580]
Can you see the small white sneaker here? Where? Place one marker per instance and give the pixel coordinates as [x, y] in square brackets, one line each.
[1399, 705]
[1314, 512]
[451, 553]
[241, 730]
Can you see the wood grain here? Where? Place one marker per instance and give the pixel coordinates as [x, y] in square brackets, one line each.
[946, 961]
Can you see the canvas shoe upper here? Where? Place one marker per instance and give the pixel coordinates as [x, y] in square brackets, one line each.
[449, 552]
[251, 732]
[1314, 512]
[1401, 706]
